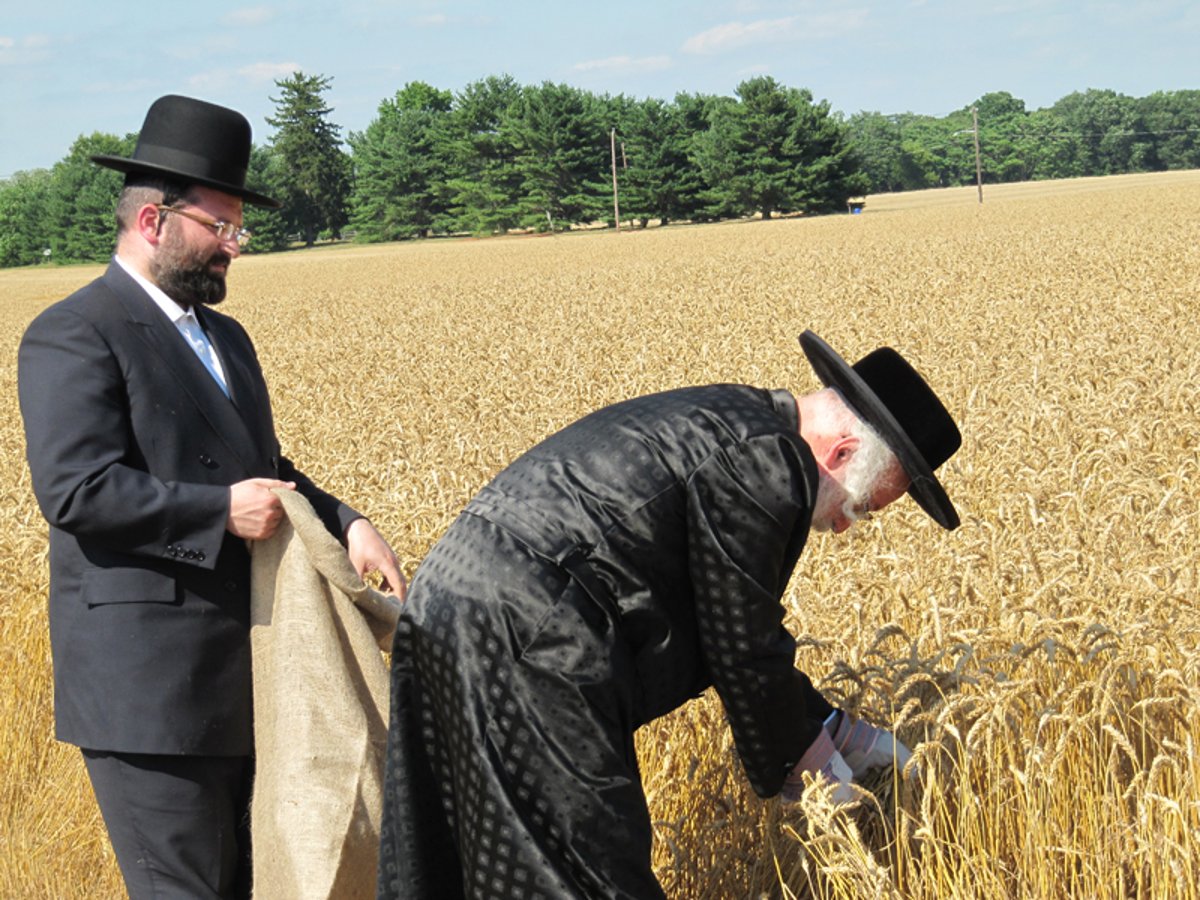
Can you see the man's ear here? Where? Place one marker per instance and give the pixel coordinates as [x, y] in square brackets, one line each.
[840, 452]
[148, 222]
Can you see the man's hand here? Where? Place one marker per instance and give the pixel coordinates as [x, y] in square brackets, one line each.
[863, 746]
[254, 512]
[822, 762]
[369, 552]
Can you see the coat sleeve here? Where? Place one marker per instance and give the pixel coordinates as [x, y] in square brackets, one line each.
[83, 457]
[748, 516]
[333, 513]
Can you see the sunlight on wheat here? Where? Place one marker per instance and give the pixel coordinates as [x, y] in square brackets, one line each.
[1041, 661]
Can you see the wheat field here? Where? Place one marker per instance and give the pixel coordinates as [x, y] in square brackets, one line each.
[1041, 660]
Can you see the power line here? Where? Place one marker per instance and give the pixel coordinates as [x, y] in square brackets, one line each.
[1106, 133]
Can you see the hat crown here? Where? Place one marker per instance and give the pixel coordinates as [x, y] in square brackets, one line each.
[197, 133]
[195, 142]
[912, 403]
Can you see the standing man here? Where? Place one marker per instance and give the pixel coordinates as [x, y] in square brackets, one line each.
[153, 454]
[606, 577]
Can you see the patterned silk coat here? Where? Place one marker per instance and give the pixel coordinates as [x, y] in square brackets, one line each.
[603, 579]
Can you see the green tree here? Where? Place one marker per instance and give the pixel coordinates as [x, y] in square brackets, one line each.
[877, 138]
[485, 188]
[81, 203]
[1100, 121]
[1055, 151]
[714, 153]
[658, 178]
[1005, 153]
[562, 156]
[700, 199]
[776, 150]
[23, 218]
[936, 152]
[315, 171]
[1172, 120]
[401, 166]
[268, 227]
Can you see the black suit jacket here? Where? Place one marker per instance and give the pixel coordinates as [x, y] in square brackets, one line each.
[132, 447]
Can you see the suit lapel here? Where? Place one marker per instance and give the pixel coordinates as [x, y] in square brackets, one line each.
[241, 378]
[161, 336]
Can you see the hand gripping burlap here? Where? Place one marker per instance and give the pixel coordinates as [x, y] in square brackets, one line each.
[320, 713]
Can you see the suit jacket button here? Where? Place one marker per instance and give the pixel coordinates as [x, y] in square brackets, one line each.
[207, 461]
[200, 555]
[230, 586]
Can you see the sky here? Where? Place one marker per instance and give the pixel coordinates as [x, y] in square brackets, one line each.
[74, 67]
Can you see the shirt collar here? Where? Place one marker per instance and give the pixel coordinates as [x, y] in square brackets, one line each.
[173, 310]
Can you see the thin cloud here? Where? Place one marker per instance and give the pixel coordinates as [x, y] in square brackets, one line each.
[735, 35]
[27, 49]
[256, 73]
[251, 15]
[625, 64]
[441, 20]
[264, 71]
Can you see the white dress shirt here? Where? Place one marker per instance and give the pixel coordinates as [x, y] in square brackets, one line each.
[185, 320]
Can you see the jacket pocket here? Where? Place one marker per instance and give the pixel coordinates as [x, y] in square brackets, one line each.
[128, 585]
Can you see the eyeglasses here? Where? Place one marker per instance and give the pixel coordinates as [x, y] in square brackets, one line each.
[225, 231]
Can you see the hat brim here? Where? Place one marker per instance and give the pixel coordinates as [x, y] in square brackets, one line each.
[121, 164]
[924, 486]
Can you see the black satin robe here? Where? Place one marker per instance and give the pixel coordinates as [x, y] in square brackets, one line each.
[610, 574]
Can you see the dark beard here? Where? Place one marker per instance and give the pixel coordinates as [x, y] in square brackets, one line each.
[184, 276]
[192, 285]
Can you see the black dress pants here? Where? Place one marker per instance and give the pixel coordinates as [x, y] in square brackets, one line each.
[180, 825]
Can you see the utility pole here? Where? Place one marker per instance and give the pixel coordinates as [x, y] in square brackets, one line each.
[978, 165]
[616, 205]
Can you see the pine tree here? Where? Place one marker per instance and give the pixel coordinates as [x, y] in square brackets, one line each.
[268, 228]
[23, 220]
[401, 167]
[775, 150]
[562, 156]
[658, 178]
[80, 223]
[485, 189]
[314, 170]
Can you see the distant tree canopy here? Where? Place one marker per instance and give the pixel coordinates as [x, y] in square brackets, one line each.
[498, 156]
[1093, 132]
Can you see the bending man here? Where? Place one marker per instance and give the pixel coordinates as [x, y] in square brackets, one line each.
[606, 577]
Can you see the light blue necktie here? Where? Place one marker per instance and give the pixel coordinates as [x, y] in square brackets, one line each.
[191, 330]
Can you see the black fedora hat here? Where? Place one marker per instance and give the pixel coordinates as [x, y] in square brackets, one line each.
[195, 142]
[891, 397]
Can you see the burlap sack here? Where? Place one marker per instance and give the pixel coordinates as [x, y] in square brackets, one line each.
[320, 714]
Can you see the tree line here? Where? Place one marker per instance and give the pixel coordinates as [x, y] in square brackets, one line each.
[499, 156]
[1093, 132]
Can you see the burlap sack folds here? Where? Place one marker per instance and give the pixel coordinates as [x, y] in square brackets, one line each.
[320, 714]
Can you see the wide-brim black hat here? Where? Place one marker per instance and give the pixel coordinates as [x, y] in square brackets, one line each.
[892, 397]
[195, 142]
